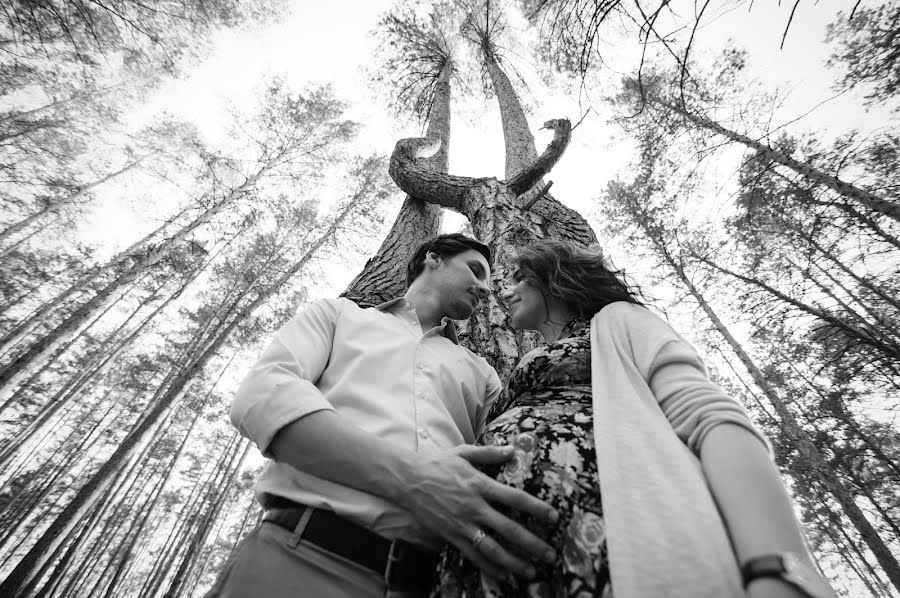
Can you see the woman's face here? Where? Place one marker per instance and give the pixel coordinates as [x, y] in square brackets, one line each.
[527, 308]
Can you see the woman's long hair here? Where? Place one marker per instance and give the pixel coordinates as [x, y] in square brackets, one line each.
[579, 279]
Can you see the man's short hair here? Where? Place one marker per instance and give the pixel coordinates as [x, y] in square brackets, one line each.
[445, 246]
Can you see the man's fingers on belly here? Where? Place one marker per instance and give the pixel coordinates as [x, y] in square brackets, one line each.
[516, 535]
[493, 559]
[485, 455]
[520, 501]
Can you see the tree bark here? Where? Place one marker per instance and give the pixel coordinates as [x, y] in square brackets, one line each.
[384, 276]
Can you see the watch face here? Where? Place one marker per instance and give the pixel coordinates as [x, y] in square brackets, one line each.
[805, 578]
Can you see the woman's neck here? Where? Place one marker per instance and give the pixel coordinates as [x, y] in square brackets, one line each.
[558, 316]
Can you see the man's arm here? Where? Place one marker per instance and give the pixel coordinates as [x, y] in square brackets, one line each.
[279, 408]
[444, 493]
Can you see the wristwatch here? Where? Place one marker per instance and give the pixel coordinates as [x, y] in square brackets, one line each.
[790, 568]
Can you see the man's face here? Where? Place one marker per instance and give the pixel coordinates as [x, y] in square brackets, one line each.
[461, 281]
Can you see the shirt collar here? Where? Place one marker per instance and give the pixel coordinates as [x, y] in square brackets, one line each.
[448, 328]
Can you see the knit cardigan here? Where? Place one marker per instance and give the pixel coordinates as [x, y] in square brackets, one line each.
[653, 406]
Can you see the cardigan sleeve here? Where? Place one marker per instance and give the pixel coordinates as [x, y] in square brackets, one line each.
[678, 379]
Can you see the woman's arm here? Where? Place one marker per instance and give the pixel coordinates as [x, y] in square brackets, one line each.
[735, 457]
[753, 501]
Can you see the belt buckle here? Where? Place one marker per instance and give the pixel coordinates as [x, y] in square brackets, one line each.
[393, 557]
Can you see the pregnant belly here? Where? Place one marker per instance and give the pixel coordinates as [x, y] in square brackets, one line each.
[554, 445]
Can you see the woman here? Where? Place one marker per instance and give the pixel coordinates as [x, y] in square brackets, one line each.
[650, 466]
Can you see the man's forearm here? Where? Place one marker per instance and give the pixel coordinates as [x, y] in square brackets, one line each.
[444, 493]
[324, 445]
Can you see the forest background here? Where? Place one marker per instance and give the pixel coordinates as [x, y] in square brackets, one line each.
[176, 179]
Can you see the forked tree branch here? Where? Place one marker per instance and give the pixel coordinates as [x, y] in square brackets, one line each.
[529, 177]
[421, 183]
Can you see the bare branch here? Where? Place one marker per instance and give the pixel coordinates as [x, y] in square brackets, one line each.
[421, 183]
[526, 179]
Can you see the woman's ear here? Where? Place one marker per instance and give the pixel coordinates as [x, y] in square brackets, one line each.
[432, 259]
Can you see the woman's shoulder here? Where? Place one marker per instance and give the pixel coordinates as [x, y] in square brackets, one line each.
[623, 311]
[630, 318]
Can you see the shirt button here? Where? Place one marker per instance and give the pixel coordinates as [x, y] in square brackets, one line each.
[422, 396]
[423, 433]
[420, 366]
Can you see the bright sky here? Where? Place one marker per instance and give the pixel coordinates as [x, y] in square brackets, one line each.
[330, 42]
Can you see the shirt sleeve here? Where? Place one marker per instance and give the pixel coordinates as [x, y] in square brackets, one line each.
[492, 393]
[280, 387]
[690, 400]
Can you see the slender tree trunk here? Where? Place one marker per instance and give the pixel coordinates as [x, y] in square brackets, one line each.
[60, 203]
[817, 463]
[83, 285]
[521, 152]
[27, 572]
[810, 453]
[47, 346]
[872, 338]
[201, 534]
[889, 208]
[90, 370]
[125, 558]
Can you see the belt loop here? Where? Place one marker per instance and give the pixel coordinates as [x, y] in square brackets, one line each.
[301, 527]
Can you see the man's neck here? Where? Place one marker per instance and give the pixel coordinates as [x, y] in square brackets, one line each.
[426, 309]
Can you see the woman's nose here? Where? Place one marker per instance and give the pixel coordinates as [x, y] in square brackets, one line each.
[505, 294]
[483, 290]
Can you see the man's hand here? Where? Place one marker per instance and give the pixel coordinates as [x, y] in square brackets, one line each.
[452, 499]
[445, 493]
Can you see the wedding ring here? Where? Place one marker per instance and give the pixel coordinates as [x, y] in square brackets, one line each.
[479, 537]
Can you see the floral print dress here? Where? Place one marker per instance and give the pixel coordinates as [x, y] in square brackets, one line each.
[545, 411]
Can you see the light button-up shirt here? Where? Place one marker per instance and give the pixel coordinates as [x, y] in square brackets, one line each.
[376, 367]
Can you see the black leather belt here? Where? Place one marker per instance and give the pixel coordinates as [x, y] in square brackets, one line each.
[404, 566]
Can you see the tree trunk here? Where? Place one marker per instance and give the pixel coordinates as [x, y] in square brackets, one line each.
[46, 346]
[817, 463]
[518, 140]
[887, 347]
[871, 201]
[201, 534]
[384, 276]
[59, 204]
[502, 220]
[807, 449]
[89, 371]
[27, 572]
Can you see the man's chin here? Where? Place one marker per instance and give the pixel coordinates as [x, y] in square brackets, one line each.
[462, 311]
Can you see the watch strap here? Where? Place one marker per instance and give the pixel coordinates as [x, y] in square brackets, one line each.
[767, 565]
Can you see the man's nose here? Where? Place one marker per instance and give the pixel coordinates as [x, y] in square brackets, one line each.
[482, 289]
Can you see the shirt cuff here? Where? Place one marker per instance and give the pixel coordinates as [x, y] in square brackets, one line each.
[285, 403]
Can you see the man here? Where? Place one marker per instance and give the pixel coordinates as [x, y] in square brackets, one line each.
[366, 414]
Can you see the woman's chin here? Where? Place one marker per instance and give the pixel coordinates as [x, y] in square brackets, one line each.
[518, 324]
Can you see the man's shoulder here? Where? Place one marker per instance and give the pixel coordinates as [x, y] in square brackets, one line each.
[479, 361]
[330, 304]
